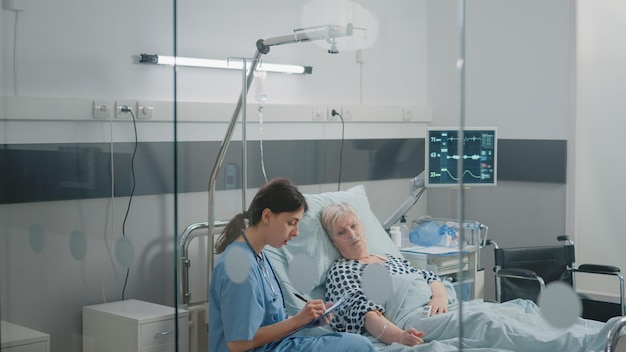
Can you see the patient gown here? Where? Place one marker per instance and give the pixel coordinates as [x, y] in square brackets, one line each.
[237, 308]
[487, 327]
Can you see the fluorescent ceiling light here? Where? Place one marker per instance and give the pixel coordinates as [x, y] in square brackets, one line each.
[231, 64]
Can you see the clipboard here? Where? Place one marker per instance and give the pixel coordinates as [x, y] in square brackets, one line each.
[340, 302]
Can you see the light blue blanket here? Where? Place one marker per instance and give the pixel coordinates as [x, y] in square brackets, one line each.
[511, 326]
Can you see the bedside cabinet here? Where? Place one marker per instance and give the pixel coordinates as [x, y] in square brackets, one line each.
[16, 338]
[134, 325]
[450, 264]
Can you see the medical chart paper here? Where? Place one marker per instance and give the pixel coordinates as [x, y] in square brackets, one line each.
[343, 300]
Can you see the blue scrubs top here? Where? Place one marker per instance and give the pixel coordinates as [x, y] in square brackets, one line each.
[238, 309]
[242, 300]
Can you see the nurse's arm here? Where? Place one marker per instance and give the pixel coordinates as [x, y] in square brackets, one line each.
[266, 334]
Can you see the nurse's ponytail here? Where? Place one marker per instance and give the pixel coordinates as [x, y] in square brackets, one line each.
[279, 195]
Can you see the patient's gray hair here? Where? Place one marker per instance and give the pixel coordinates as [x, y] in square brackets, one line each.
[335, 212]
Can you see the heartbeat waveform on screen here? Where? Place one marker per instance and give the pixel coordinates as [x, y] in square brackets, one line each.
[464, 172]
[456, 156]
[465, 139]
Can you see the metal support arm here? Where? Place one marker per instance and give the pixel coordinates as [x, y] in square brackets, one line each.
[416, 189]
[263, 47]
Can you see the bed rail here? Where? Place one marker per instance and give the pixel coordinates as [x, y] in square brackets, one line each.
[187, 236]
[613, 336]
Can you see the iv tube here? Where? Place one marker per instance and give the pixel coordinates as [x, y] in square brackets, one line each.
[261, 97]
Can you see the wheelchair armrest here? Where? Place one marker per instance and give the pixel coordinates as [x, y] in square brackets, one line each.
[562, 238]
[598, 269]
[517, 273]
[490, 242]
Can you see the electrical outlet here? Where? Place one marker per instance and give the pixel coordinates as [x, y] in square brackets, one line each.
[347, 114]
[145, 109]
[318, 113]
[102, 109]
[334, 114]
[407, 114]
[125, 110]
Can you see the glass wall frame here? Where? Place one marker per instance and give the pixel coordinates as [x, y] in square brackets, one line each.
[94, 202]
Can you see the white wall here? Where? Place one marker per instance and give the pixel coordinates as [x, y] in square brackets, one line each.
[518, 64]
[600, 123]
[73, 48]
[72, 52]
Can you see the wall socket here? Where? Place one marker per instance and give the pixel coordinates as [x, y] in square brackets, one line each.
[338, 114]
[347, 114]
[125, 110]
[145, 109]
[102, 109]
[318, 113]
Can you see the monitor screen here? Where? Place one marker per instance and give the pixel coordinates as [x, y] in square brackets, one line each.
[478, 159]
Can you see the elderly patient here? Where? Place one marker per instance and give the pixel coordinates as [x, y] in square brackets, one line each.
[346, 233]
[511, 326]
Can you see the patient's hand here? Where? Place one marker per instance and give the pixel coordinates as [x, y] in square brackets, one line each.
[439, 305]
[439, 301]
[411, 337]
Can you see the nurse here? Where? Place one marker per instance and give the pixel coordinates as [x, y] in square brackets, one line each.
[246, 307]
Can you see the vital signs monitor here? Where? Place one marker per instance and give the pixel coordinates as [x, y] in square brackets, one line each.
[454, 156]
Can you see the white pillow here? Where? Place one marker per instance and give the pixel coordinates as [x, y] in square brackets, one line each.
[313, 245]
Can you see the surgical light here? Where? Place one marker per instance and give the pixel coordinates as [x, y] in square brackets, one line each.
[229, 64]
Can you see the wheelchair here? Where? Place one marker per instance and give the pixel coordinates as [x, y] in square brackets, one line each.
[523, 272]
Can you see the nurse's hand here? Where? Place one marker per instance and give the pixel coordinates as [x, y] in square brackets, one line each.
[327, 318]
[312, 310]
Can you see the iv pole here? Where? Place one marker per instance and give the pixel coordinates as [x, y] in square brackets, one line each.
[263, 46]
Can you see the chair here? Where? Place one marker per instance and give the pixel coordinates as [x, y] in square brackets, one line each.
[524, 272]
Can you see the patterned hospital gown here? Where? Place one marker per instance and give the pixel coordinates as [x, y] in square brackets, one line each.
[345, 276]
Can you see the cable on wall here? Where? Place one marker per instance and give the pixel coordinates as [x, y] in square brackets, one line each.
[343, 129]
[16, 90]
[112, 209]
[132, 191]
[16, 7]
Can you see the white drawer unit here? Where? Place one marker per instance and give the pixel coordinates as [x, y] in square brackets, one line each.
[16, 338]
[134, 325]
[451, 265]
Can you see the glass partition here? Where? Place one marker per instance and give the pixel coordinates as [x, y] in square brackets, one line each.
[88, 195]
[118, 168]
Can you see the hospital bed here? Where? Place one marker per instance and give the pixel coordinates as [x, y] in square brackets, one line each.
[313, 252]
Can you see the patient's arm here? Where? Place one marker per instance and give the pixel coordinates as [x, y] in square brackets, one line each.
[266, 334]
[387, 332]
[439, 300]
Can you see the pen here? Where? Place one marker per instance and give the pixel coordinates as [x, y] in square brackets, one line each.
[302, 298]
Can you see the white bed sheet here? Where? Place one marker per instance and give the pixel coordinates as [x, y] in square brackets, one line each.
[313, 247]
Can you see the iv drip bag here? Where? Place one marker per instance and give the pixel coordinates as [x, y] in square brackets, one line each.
[259, 79]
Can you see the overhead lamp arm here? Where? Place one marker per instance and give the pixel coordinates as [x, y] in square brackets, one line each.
[328, 32]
